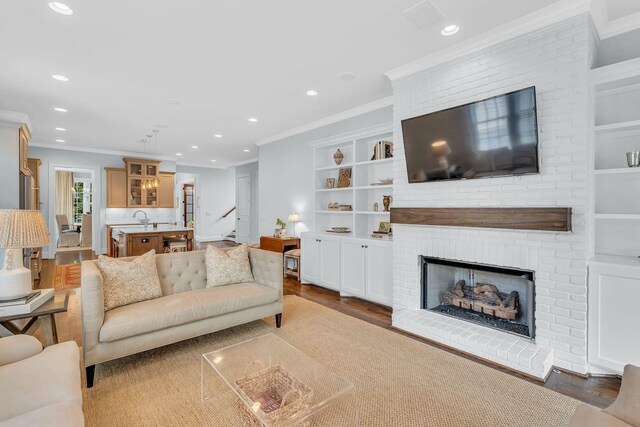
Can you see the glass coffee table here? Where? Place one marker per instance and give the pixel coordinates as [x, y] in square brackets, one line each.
[275, 384]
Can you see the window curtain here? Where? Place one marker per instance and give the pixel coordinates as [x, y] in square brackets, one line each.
[64, 195]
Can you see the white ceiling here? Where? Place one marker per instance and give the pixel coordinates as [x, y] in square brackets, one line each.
[617, 9]
[224, 61]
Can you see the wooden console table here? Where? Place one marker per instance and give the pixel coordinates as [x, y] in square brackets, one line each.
[275, 244]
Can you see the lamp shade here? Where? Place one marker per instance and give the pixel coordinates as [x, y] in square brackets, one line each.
[23, 229]
[440, 148]
[293, 217]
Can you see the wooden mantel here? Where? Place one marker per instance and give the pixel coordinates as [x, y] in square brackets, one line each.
[540, 219]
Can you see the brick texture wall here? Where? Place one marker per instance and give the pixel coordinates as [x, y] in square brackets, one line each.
[556, 60]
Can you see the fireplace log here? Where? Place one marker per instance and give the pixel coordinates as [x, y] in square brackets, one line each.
[485, 287]
[486, 308]
[458, 288]
[491, 297]
[511, 301]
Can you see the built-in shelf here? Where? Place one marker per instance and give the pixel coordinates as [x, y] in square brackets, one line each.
[328, 168]
[621, 74]
[616, 260]
[373, 213]
[333, 212]
[617, 216]
[375, 162]
[616, 171]
[373, 187]
[334, 189]
[617, 127]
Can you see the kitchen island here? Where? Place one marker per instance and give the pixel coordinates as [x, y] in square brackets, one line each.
[137, 240]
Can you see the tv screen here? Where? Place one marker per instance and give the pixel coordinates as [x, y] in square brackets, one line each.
[494, 137]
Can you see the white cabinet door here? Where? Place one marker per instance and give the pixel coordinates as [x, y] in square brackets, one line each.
[379, 273]
[353, 268]
[330, 262]
[614, 292]
[310, 259]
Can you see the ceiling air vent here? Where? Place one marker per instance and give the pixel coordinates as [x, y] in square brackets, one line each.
[424, 15]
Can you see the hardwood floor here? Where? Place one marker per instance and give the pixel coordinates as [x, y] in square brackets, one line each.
[597, 391]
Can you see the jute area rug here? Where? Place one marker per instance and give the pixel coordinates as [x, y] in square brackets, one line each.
[399, 381]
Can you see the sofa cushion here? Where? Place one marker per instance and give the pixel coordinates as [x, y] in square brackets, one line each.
[127, 282]
[627, 405]
[227, 267]
[49, 378]
[182, 308]
[588, 416]
[67, 414]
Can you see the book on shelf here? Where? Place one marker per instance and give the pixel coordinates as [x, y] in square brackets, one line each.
[19, 301]
[29, 306]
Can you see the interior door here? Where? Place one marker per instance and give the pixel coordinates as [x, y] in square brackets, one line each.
[188, 202]
[353, 257]
[379, 273]
[243, 208]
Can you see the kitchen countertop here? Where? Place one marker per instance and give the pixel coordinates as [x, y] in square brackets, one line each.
[149, 229]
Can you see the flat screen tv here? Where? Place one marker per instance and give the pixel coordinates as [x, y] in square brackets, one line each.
[494, 137]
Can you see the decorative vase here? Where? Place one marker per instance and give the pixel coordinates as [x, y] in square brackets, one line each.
[338, 157]
[386, 202]
[375, 207]
[279, 232]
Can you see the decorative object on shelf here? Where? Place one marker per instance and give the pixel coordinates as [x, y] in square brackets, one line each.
[344, 178]
[330, 183]
[151, 183]
[294, 218]
[384, 227]
[341, 230]
[386, 202]
[282, 231]
[338, 157]
[333, 206]
[19, 229]
[383, 181]
[376, 206]
[633, 159]
[382, 150]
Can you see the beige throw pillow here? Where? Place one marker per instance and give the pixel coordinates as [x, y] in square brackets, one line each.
[126, 282]
[227, 267]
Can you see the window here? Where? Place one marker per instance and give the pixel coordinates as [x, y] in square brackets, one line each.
[82, 200]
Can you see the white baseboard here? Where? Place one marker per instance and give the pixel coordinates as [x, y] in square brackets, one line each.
[209, 238]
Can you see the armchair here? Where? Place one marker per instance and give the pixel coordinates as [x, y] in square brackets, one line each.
[67, 236]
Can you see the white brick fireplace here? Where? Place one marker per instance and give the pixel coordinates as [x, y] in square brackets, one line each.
[556, 60]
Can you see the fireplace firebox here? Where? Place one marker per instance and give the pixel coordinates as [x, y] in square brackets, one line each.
[497, 297]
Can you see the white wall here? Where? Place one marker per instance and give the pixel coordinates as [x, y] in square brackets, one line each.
[286, 171]
[253, 170]
[215, 195]
[85, 160]
[557, 60]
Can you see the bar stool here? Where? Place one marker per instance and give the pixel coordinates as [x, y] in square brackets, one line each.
[292, 256]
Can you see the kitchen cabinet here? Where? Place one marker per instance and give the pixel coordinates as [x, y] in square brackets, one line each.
[166, 198]
[34, 169]
[367, 270]
[116, 188]
[320, 259]
[24, 136]
[614, 289]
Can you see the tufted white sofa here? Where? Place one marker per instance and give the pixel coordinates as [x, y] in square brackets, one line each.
[187, 308]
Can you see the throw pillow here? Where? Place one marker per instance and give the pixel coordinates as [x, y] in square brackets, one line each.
[227, 267]
[127, 282]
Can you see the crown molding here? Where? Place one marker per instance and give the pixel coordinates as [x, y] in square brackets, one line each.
[194, 165]
[14, 119]
[619, 26]
[102, 151]
[245, 162]
[549, 15]
[354, 134]
[353, 112]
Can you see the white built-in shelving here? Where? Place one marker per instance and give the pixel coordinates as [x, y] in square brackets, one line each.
[617, 186]
[364, 191]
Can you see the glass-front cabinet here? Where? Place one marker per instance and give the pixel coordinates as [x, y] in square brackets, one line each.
[142, 182]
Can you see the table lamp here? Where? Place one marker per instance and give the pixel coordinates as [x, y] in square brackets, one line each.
[19, 229]
[293, 218]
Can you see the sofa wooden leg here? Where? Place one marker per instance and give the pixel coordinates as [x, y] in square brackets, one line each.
[90, 370]
[278, 320]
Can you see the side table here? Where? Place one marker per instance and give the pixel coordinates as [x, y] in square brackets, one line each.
[45, 314]
[276, 244]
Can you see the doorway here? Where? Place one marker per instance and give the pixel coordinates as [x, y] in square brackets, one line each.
[243, 208]
[188, 204]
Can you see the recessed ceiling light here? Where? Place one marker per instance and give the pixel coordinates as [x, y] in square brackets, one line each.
[61, 8]
[312, 93]
[178, 154]
[246, 150]
[348, 76]
[60, 109]
[217, 135]
[60, 78]
[195, 147]
[253, 119]
[449, 30]
[61, 141]
[213, 160]
[61, 129]
[174, 102]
